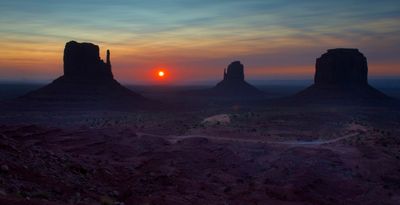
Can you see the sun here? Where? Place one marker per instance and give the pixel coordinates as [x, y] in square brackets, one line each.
[161, 73]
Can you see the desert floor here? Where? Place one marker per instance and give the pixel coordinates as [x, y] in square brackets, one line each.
[275, 155]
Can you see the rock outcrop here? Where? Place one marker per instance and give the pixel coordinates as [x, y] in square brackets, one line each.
[233, 83]
[341, 75]
[82, 62]
[87, 81]
[341, 66]
[234, 72]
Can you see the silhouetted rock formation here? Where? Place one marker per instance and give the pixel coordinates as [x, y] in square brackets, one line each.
[233, 83]
[82, 62]
[341, 74]
[341, 66]
[87, 80]
[235, 72]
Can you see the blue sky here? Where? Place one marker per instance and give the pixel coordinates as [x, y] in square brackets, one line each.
[197, 39]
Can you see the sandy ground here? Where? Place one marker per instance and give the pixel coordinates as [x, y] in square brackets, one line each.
[270, 156]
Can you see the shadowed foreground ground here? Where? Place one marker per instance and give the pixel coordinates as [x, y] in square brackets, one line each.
[277, 156]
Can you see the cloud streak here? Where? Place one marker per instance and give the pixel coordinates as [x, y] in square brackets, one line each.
[194, 36]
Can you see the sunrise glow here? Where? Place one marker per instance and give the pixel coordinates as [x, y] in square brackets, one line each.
[272, 39]
[161, 74]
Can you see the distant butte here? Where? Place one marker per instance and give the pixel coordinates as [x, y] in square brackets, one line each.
[341, 74]
[233, 83]
[87, 80]
[341, 66]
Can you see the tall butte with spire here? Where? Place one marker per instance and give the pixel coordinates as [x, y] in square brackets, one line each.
[82, 62]
[87, 80]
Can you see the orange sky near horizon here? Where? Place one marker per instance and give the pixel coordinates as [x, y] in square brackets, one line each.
[45, 66]
[33, 61]
[273, 39]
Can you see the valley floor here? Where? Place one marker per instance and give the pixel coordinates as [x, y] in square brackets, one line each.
[260, 156]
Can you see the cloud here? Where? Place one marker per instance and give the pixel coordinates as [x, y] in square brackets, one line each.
[209, 33]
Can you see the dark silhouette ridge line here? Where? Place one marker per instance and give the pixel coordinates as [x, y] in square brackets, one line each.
[341, 74]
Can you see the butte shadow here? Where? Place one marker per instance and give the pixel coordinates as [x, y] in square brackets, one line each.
[341, 77]
[87, 83]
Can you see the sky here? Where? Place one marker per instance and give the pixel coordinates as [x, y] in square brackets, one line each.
[193, 41]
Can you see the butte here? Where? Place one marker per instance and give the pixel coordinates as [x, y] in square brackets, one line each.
[234, 85]
[341, 76]
[87, 83]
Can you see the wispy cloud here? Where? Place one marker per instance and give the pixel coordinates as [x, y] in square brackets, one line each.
[199, 35]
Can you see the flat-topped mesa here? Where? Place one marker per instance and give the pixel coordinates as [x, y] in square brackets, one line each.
[341, 76]
[234, 72]
[341, 66]
[82, 61]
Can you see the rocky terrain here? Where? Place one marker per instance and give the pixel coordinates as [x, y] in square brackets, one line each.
[265, 156]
